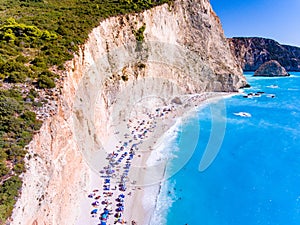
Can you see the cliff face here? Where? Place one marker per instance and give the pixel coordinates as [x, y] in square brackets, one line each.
[184, 51]
[253, 52]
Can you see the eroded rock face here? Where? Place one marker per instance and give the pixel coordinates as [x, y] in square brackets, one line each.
[184, 51]
[271, 69]
[252, 52]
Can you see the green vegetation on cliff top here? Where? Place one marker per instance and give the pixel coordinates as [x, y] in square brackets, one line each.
[36, 35]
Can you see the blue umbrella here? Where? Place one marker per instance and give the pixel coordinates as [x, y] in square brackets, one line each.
[120, 208]
[104, 216]
[94, 211]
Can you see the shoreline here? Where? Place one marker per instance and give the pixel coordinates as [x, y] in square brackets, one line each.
[147, 172]
[216, 96]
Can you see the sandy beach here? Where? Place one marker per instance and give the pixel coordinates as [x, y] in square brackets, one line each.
[125, 191]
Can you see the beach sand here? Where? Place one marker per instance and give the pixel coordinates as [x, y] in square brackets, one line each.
[147, 166]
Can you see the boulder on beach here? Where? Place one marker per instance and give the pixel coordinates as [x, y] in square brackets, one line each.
[177, 101]
[271, 69]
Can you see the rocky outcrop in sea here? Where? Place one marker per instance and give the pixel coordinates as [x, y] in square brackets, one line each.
[271, 68]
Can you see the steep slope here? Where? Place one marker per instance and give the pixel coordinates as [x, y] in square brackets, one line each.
[253, 51]
[182, 51]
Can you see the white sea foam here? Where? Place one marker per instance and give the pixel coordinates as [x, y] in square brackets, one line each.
[165, 146]
[272, 86]
[164, 150]
[271, 95]
[243, 114]
[164, 201]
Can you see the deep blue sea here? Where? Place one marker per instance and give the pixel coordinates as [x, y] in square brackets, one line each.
[255, 177]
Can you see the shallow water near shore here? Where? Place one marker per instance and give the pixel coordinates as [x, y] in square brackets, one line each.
[255, 178]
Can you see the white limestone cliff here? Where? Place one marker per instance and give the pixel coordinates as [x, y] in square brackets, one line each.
[184, 51]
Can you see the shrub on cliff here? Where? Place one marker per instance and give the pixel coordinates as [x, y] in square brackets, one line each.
[12, 66]
[45, 82]
[8, 190]
[139, 34]
[11, 30]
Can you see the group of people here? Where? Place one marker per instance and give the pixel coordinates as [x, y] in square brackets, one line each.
[115, 174]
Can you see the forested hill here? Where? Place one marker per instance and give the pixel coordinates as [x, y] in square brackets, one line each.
[36, 38]
[252, 52]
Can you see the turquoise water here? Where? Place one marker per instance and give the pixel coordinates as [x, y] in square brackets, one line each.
[255, 178]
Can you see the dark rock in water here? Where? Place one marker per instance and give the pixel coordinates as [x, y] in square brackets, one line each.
[177, 101]
[247, 86]
[271, 69]
[252, 52]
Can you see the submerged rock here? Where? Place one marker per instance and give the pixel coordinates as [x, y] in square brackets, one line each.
[271, 69]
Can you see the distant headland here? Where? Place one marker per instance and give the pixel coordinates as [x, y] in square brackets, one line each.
[252, 52]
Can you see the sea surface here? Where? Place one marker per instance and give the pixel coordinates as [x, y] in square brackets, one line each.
[255, 177]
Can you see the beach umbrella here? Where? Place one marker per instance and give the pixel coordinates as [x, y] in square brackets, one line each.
[94, 211]
[121, 208]
[104, 216]
[127, 166]
[123, 189]
[120, 199]
[118, 215]
[109, 171]
[96, 203]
